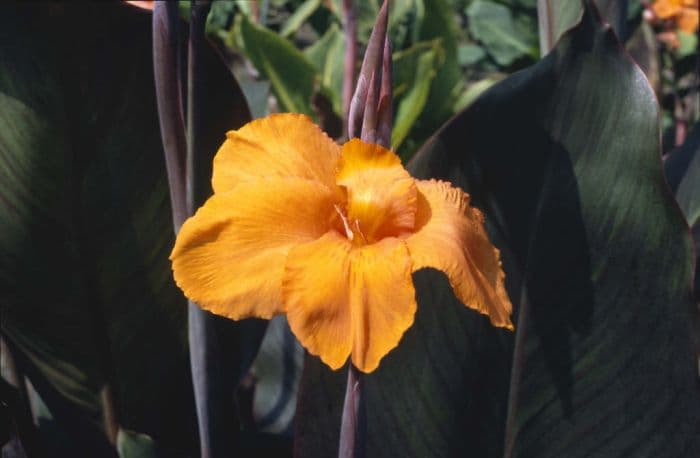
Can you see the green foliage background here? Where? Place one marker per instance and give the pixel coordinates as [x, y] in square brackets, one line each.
[446, 53]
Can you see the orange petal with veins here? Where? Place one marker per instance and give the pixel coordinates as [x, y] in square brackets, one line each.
[450, 237]
[229, 257]
[286, 145]
[346, 300]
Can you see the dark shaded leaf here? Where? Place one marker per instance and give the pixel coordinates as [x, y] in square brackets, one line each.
[475, 89]
[277, 371]
[85, 223]
[615, 13]
[597, 255]
[683, 174]
[644, 49]
[555, 18]
[17, 429]
[134, 445]
[563, 158]
[77, 424]
[86, 213]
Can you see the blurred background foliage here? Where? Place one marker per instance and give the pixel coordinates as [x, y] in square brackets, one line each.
[288, 56]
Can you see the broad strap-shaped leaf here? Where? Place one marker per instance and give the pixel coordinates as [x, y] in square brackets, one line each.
[563, 158]
[615, 13]
[414, 70]
[438, 22]
[85, 224]
[555, 17]
[289, 71]
[643, 47]
[85, 217]
[683, 174]
[434, 21]
[597, 253]
[327, 55]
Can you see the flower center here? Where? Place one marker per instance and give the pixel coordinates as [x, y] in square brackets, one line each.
[351, 228]
[381, 196]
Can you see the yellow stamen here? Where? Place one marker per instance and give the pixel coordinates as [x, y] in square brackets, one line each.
[348, 232]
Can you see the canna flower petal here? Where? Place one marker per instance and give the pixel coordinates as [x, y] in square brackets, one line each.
[381, 194]
[688, 19]
[229, 257]
[450, 237]
[344, 299]
[666, 8]
[282, 145]
[315, 293]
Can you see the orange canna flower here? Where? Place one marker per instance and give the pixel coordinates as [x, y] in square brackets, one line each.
[330, 236]
[683, 12]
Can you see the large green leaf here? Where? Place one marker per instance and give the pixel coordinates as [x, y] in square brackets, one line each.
[602, 254]
[556, 17]
[85, 215]
[432, 21]
[643, 47]
[289, 71]
[414, 70]
[85, 223]
[438, 22]
[493, 25]
[327, 56]
[683, 173]
[616, 13]
[563, 158]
